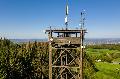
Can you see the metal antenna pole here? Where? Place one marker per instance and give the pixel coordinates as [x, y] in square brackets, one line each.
[66, 17]
[82, 22]
[82, 45]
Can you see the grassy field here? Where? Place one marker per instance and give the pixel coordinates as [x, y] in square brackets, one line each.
[107, 71]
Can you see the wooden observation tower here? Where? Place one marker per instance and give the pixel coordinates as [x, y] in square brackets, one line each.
[66, 49]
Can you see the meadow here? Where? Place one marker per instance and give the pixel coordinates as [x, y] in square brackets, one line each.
[107, 71]
[107, 61]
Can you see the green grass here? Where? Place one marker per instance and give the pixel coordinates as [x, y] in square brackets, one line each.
[117, 60]
[101, 51]
[107, 71]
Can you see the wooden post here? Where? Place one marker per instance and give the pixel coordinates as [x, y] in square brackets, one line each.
[81, 54]
[50, 57]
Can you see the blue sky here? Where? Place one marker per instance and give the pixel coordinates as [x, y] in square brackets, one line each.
[28, 19]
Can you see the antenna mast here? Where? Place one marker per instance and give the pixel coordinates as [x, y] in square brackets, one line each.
[66, 17]
[82, 22]
[82, 33]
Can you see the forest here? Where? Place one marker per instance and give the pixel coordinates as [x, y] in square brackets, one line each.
[30, 61]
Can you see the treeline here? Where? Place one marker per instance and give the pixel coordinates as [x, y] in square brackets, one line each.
[30, 61]
[104, 52]
[105, 46]
[23, 61]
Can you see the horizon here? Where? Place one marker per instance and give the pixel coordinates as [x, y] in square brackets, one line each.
[87, 41]
[27, 19]
[85, 38]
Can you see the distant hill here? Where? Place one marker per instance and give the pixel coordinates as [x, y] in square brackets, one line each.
[90, 41]
[93, 41]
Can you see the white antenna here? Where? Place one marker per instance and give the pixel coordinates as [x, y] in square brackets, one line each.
[82, 21]
[66, 17]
